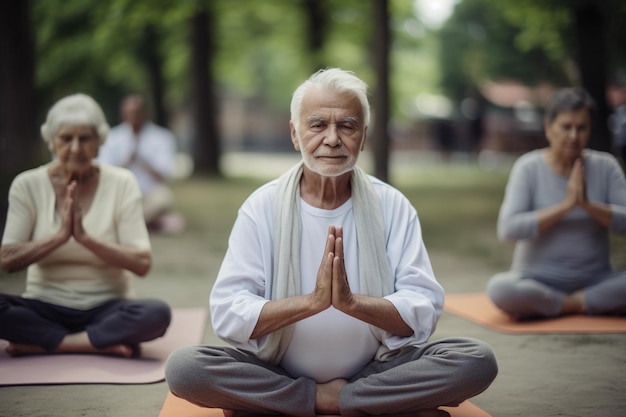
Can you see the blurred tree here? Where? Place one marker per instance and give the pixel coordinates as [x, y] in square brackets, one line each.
[380, 56]
[148, 48]
[19, 138]
[204, 107]
[317, 20]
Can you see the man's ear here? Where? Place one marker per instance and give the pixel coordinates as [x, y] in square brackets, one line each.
[294, 136]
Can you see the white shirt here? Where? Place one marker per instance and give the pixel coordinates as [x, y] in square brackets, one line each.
[154, 144]
[240, 290]
[330, 344]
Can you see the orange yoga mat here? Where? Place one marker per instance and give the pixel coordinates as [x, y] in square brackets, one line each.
[478, 308]
[187, 327]
[176, 407]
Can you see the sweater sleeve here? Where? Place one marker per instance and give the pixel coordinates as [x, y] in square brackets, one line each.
[517, 218]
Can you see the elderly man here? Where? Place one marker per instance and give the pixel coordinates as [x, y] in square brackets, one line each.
[149, 151]
[326, 292]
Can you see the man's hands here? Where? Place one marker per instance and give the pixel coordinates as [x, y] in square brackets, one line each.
[332, 287]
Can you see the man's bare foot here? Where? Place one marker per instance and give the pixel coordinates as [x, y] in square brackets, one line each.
[327, 397]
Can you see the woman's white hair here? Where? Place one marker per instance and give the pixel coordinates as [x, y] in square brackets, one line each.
[76, 109]
[333, 79]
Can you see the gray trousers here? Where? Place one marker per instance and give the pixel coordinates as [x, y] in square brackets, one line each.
[439, 373]
[529, 297]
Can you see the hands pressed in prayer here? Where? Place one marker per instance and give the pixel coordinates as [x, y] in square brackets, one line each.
[332, 286]
[72, 215]
[576, 189]
[577, 196]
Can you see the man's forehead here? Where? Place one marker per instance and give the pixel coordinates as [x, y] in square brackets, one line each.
[323, 105]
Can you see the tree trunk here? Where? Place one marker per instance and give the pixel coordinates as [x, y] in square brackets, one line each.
[380, 57]
[154, 64]
[20, 144]
[590, 32]
[206, 141]
[316, 19]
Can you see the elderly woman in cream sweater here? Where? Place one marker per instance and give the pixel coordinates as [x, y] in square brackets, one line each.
[78, 228]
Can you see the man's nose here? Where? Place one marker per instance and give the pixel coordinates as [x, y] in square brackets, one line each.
[75, 145]
[332, 136]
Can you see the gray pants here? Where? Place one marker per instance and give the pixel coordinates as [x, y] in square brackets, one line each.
[444, 372]
[527, 296]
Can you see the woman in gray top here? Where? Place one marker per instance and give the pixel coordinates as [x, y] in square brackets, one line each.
[560, 205]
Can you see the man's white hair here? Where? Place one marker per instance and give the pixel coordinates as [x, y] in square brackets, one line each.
[333, 79]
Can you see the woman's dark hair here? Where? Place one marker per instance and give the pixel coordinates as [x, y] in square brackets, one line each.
[566, 99]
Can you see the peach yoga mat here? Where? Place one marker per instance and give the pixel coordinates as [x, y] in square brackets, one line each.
[177, 407]
[187, 327]
[478, 308]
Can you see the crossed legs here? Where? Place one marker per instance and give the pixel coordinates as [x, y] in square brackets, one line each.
[444, 372]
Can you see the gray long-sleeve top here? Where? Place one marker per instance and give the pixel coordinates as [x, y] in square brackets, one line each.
[578, 245]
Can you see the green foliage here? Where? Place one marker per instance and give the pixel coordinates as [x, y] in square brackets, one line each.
[548, 25]
[97, 47]
[541, 25]
[479, 43]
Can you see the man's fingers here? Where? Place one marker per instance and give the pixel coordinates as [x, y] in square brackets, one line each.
[339, 248]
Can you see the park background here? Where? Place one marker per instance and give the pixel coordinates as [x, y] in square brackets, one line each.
[457, 89]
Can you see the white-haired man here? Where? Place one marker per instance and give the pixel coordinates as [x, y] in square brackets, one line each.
[326, 292]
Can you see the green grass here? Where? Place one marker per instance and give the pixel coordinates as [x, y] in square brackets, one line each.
[458, 209]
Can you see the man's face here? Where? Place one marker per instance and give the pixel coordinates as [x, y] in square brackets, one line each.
[133, 113]
[331, 133]
[569, 132]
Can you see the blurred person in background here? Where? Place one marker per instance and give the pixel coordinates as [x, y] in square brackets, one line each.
[149, 151]
[326, 293]
[560, 205]
[79, 229]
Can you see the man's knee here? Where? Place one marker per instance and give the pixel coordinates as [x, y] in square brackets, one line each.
[481, 360]
[180, 368]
